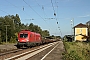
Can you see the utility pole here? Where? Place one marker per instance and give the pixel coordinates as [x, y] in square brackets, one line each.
[72, 30]
[72, 25]
[0, 36]
[6, 32]
[14, 24]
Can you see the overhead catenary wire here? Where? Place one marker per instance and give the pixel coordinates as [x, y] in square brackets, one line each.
[23, 8]
[42, 8]
[4, 11]
[58, 22]
[11, 4]
[56, 16]
[52, 6]
[44, 11]
[37, 3]
[35, 11]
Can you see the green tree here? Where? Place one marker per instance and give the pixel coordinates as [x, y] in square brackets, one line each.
[35, 28]
[88, 25]
[45, 33]
[15, 26]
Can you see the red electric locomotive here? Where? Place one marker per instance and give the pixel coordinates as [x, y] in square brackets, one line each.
[27, 38]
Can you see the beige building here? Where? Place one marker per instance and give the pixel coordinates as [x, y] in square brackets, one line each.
[80, 31]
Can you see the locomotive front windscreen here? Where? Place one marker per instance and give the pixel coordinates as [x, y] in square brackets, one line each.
[23, 35]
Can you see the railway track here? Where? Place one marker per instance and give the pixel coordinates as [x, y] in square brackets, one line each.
[9, 52]
[30, 53]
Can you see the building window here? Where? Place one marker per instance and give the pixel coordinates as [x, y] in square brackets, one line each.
[81, 31]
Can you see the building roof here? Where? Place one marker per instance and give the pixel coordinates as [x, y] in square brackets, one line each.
[80, 26]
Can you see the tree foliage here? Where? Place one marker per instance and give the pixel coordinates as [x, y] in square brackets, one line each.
[88, 25]
[15, 26]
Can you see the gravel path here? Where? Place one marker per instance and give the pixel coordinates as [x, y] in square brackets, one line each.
[7, 47]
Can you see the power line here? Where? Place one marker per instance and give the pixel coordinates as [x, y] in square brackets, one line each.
[32, 9]
[36, 12]
[4, 11]
[23, 8]
[42, 7]
[11, 4]
[52, 6]
[37, 3]
[44, 12]
[56, 15]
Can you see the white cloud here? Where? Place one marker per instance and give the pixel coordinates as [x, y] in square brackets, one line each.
[84, 16]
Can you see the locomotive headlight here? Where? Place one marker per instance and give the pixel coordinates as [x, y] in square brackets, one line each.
[18, 40]
[27, 40]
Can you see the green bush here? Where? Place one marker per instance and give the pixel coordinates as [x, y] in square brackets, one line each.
[71, 56]
[13, 40]
[76, 51]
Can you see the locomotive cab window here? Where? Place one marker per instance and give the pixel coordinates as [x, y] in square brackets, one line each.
[23, 35]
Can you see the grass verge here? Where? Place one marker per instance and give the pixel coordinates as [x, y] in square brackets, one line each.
[76, 51]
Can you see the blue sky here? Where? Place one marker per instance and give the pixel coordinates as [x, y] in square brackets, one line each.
[43, 10]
